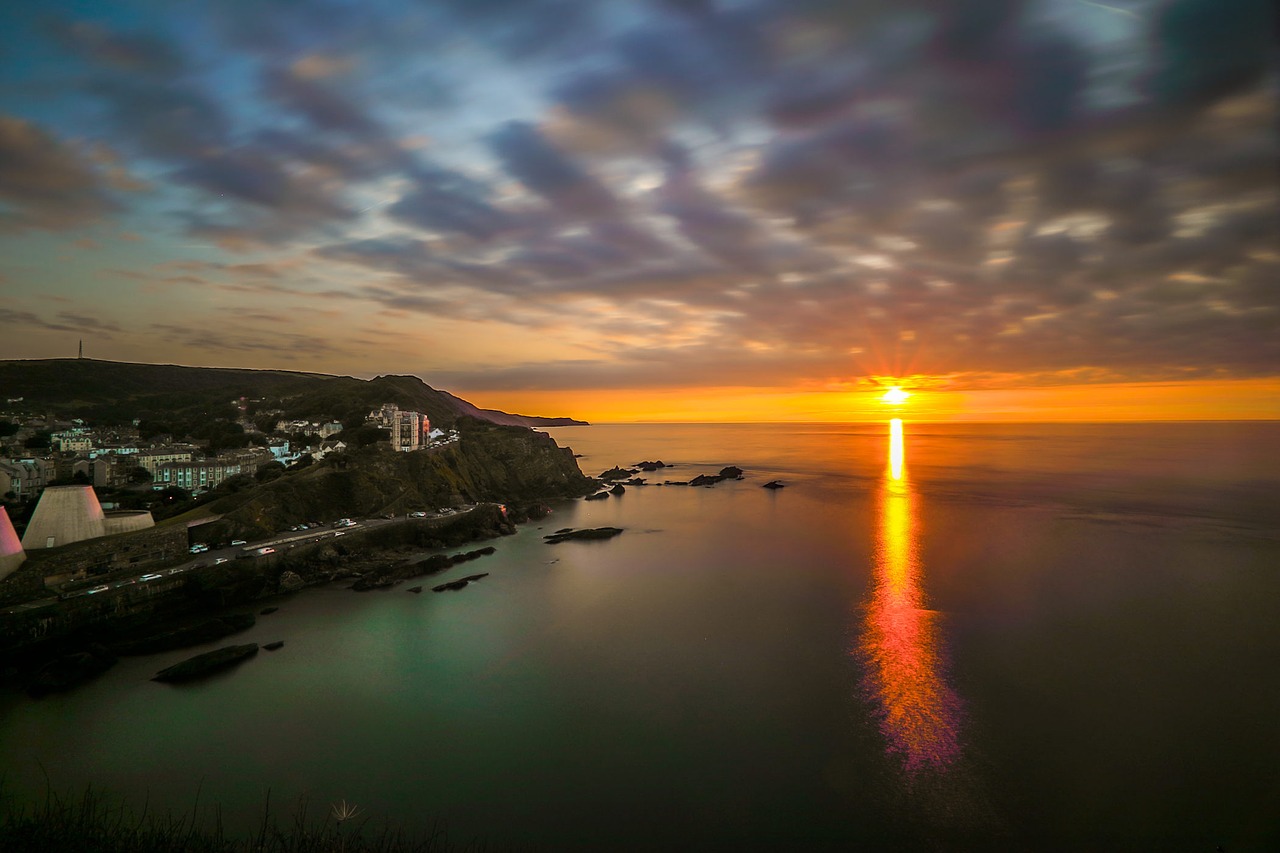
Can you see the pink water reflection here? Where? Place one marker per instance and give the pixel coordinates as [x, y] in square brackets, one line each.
[919, 713]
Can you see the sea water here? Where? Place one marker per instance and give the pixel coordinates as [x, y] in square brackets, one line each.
[1018, 637]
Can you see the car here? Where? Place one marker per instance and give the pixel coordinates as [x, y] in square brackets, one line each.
[199, 548]
[149, 577]
[418, 514]
[238, 542]
[262, 552]
[390, 515]
[220, 560]
[96, 589]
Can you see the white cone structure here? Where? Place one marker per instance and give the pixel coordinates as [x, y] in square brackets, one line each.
[127, 521]
[11, 553]
[64, 515]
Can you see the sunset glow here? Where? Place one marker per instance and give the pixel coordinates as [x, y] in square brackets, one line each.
[659, 211]
[919, 712]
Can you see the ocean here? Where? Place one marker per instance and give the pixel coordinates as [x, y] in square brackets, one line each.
[977, 637]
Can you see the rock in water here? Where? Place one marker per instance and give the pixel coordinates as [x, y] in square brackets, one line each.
[459, 584]
[618, 490]
[271, 647]
[267, 611]
[206, 664]
[71, 671]
[773, 484]
[731, 472]
[593, 533]
[598, 496]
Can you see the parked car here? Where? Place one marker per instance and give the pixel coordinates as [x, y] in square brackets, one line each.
[262, 552]
[149, 577]
[99, 588]
[199, 548]
[238, 542]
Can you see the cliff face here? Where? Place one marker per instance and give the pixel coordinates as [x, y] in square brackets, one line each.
[511, 465]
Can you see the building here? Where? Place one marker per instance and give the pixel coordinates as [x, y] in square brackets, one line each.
[409, 430]
[11, 553]
[154, 457]
[194, 476]
[65, 514]
[332, 428]
[110, 470]
[25, 478]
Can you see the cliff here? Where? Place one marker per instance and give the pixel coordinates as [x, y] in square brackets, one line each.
[511, 465]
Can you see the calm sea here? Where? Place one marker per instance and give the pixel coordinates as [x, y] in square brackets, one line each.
[993, 637]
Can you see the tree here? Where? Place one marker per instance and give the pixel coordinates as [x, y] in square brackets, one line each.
[269, 471]
[139, 474]
[39, 441]
[80, 478]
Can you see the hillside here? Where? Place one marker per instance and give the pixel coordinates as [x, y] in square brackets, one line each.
[109, 392]
[505, 464]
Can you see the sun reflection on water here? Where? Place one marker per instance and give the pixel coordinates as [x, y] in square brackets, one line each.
[919, 713]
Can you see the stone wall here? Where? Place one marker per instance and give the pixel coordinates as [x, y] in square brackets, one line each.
[109, 553]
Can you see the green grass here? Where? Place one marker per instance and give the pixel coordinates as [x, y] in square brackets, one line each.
[97, 823]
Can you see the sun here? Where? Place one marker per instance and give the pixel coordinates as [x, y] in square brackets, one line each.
[895, 396]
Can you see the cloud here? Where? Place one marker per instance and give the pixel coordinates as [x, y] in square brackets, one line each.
[530, 158]
[48, 183]
[139, 52]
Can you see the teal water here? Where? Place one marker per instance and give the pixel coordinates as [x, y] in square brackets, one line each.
[1039, 637]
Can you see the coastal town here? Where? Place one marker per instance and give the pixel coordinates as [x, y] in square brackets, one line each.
[64, 481]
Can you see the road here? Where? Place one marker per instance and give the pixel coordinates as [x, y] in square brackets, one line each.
[213, 557]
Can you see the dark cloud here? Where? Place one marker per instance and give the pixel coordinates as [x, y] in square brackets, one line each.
[448, 202]
[142, 53]
[1207, 48]
[63, 322]
[46, 182]
[170, 120]
[531, 159]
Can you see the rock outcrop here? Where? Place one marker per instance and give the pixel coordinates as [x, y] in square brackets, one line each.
[204, 631]
[459, 584]
[206, 664]
[589, 534]
[70, 671]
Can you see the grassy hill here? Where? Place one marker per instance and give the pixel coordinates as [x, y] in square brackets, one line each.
[110, 392]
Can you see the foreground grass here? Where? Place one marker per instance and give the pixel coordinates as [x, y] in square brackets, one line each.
[95, 823]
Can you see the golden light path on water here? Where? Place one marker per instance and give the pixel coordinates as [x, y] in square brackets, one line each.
[919, 713]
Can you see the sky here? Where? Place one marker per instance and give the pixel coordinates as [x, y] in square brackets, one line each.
[659, 210]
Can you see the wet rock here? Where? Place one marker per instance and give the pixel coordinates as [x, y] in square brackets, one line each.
[731, 472]
[618, 490]
[271, 647]
[616, 474]
[206, 664]
[71, 671]
[414, 589]
[773, 484]
[651, 466]
[204, 631]
[267, 611]
[459, 584]
[598, 496]
[583, 535]
[291, 581]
